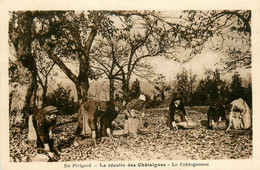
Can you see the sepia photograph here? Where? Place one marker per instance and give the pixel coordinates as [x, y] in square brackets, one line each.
[111, 86]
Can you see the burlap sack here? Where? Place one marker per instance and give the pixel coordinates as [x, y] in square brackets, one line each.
[86, 127]
[31, 132]
[131, 125]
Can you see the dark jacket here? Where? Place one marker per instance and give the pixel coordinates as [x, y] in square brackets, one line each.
[41, 125]
[102, 112]
[173, 110]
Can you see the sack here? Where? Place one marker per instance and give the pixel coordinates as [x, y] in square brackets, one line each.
[40, 158]
[119, 132]
[184, 125]
[144, 131]
[31, 132]
[131, 125]
[86, 127]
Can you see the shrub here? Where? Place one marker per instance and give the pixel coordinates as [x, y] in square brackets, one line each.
[62, 99]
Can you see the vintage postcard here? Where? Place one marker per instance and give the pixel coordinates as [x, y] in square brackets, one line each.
[129, 84]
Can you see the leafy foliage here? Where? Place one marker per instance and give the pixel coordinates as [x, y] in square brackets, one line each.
[136, 89]
[161, 86]
[238, 90]
[185, 85]
[228, 31]
[123, 39]
[61, 98]
[211, 89]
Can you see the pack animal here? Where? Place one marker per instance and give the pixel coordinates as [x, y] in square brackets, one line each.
[94, 113]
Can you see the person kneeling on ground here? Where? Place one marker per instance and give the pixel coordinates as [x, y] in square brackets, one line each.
[134, 114]
[215, 115]
[176, 106]
[43, 121]
[240, 116]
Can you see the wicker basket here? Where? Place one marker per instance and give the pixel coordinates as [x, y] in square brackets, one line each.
[144, 131]
[184, 125]
[119, 132]
[40, 158]
[43, 157]
[131, 125]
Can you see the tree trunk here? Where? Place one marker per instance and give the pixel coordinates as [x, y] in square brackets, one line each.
[82, 91]
[83, 79]
[111, 89]
[126, 91]
[22, 45]
[44, 95]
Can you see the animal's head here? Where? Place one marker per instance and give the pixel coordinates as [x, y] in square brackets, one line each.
[237, 109]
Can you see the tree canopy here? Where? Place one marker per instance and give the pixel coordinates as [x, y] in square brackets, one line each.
[116, 43]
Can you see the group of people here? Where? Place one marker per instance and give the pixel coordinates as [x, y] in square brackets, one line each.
[240, 116]
[102, 113]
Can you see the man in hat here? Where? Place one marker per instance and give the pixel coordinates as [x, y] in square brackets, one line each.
[43, 121]
[218, 106]
[176, 106]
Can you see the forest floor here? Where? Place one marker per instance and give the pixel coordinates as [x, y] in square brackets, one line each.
[199, 143]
